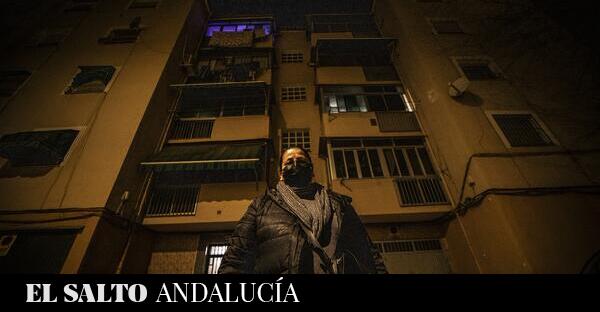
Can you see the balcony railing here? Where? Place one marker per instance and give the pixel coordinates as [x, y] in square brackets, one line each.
[185, 129]
[397, 122]
[172, 201]
[421, 190]
[230, 73]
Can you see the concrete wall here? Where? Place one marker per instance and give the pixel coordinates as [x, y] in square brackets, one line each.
[504, 234]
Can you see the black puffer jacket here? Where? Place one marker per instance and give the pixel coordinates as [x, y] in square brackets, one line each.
[269, 240]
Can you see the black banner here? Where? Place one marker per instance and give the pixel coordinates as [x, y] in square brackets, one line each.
[297, 290]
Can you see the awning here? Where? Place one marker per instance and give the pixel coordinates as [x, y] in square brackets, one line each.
[198, 157]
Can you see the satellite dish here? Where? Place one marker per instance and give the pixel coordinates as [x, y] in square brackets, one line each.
[457, 87]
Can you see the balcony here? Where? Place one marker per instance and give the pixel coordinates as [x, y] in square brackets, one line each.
[354, 61]
[327, 26]
[367, 110]
[239, 33]
[221, 112]
[209, 184]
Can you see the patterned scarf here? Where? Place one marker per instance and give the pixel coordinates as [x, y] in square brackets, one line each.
[312, 212]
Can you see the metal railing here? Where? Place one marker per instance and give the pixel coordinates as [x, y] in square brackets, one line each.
[421, 190]
[397, 122]
[172, 201]
[183, 129]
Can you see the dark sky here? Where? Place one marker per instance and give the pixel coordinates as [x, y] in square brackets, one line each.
[579, 17]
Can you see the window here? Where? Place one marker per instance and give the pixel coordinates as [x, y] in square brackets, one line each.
[446, 26]
[123, 35]
[11, 81]
[50, 37]
[521, 129]
[173, 200]
[143, 4]
[195, 103]
[406, 159]
[214, 255]
[295, 138]
[77, 6]
[91, 79]
[292, 57]
[477, 68]
[382, 73]
[376, 98]
[37, 148]
[296, 93]
[259, 28]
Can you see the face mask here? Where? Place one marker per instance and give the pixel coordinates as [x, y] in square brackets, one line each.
[297, 172]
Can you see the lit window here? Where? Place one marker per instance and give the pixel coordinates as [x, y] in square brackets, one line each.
[91, 79]
[378, 98]
[214, 256]
[260, 28]
[295, 138]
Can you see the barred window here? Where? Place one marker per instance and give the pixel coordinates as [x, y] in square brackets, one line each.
[295, 138]
[343, 99]
[91, 79]
[172, 200]
[292, 57]
[214, 256]
[363, 158]
[522, 130]
[295, 93]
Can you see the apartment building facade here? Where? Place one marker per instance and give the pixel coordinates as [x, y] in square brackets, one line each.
[483, 182]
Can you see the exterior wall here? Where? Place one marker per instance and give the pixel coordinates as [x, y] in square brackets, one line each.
[220, 206]
[505, 233]
[297, 114]
[118, 127]
[331, 75]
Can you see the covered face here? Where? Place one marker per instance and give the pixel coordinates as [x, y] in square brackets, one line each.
[296, 167]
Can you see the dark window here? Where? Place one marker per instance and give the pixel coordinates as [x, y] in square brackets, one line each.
[143, 4]
[340, 167]
[40, 148]
[191, 128]
[172, 200]
[447, 27]
[522, 130]
[480, 71]
[11, 80]
[351, 164]
[37, 252]
[121, 35]
[91, 79]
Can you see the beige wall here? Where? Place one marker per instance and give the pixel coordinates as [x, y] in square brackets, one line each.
[219, 207]
[110, 119]
[504, 234]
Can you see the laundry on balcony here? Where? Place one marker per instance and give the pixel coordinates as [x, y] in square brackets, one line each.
[37, 148]
[207, 157]
[228, 73]
[221, 39]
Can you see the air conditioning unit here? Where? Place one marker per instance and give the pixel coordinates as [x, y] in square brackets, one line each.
[6, 241]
